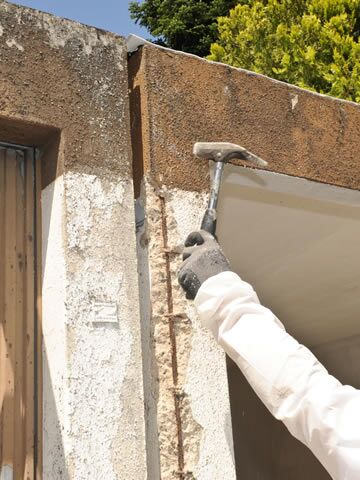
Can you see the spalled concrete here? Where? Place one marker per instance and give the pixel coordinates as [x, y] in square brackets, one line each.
[187, 400]
[207, 430]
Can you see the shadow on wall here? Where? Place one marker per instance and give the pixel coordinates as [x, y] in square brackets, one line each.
[54, 376]
[150, 368]
[264, 449]
[54, 463]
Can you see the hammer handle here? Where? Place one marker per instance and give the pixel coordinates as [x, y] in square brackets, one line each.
[209, 221]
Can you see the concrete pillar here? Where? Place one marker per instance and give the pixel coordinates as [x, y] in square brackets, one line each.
[189, 426]
[189, 433]
[64, 90]
[93, 399]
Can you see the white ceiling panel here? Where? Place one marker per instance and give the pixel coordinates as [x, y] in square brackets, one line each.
[298, 243]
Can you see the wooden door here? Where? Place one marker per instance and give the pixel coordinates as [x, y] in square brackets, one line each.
[18, 327]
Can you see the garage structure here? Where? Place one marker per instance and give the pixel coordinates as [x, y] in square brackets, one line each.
[132, 385]
[295, 224]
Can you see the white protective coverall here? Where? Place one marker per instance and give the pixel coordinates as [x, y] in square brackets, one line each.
[315, 407]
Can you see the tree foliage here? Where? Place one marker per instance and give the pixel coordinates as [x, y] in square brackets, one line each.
[311, 43]
[187, 25]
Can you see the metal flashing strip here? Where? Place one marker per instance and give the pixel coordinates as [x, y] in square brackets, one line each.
[134, 42]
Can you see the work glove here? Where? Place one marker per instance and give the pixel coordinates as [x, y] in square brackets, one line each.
[202, 259]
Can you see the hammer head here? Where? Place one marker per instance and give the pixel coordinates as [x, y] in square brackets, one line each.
[223, 152]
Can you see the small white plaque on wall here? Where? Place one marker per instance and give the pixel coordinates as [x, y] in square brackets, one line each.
[105, 312]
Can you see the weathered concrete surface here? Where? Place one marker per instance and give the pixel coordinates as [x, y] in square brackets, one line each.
[63, 88]
[93, 399]
[188, 414]
[105, 395]
[188, 99]
[61, 76]
[176, 100]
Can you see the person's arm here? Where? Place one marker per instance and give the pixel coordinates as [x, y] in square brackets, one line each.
[294, 386]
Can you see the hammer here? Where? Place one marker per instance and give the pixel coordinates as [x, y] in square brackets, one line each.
[221, 153]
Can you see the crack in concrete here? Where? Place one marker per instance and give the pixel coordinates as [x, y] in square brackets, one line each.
[171, 317]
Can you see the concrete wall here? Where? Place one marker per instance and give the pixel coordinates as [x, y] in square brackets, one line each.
[63, 90]
[188, 99]
[176, 100]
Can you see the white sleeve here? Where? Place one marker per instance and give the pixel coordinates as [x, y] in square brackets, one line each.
[291, 382]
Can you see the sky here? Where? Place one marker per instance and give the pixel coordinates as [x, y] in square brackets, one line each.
[112, 15]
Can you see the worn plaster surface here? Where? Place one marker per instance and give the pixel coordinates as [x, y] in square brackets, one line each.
[93, 397]
[188, 402]
[105, 388]
[298, 132]
[61, 76]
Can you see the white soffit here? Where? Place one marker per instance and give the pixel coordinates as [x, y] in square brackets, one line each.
[297, 242]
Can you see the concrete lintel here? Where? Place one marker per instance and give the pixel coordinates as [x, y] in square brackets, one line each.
[188, 99]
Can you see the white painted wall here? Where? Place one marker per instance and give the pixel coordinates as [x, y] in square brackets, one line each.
[296, 241]
[93, 391]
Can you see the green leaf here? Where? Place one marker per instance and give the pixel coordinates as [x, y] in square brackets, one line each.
[310, 43]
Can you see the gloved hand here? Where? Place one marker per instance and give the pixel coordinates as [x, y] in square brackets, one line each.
[202, 259]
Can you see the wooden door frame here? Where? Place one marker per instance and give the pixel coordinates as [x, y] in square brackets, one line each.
[38, 384]
[38, 457]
